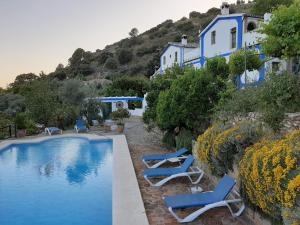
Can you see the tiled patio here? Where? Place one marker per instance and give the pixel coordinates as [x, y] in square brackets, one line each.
[156, 211]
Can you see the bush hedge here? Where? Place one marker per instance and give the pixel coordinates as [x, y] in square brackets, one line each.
[270, 175]
[222, 144]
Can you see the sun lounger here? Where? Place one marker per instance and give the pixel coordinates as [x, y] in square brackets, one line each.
[206, 201]
[159, 160]
[185, 170]
[52, 130]
[80, 126]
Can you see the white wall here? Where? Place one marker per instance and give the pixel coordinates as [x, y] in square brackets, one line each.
[114, 105]
[170, 57]
[223, 38]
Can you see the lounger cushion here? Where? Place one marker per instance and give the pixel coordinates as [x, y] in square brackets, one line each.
[189, 200]
[160, 172]
[165, 156]
[187, 163]
[199, 200]
[53, 129]
[224, 187]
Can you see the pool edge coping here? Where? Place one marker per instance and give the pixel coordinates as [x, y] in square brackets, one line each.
[128, 206]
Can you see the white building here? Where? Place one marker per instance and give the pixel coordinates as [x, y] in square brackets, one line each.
[226, 34]
[177, 53]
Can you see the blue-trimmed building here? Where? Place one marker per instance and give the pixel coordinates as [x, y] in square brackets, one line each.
[226, 34]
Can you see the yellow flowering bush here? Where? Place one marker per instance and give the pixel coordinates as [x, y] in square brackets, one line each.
[220, 145]
[270, 175]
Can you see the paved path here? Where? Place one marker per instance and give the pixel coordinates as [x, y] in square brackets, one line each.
[142, 143]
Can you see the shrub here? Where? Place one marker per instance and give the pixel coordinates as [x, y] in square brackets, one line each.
[120, 115]
[220, 146]
[31, 128]
[184, 139]
[279, 94]
[169, 139]
[5, 120]
[103, 56]
[195, 14]
[111, 64]
[218, 67]
[185, 26]
[237, 103]
[124, 56]
[12, 103]
[20, 121]
[269, 172]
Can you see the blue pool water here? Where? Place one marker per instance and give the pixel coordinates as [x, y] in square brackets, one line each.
[63, 181]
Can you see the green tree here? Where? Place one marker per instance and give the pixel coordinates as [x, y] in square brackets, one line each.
[158, 84]
[188, 102]
[72, 92]
[22, 81]
[283, 32]
[91, 109]
[241, 60]
[266, 6]
[77, 57]
[12, 104]
[42, 100]
[134, 32]
[60, 72]
[128, 86]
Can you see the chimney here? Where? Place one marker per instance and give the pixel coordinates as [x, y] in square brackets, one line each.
[225, 8]
[184, 40]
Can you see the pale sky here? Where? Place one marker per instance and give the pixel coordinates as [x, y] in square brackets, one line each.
[37, 35]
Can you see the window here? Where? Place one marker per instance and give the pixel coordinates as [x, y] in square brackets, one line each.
[176, 57]
[251, 26]
[275, 66]
[213, 37]
[233, 37]
[164, 60]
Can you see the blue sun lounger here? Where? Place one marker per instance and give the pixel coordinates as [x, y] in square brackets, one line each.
[52, 130]
[170, 157]
[185, 170]
[80, 126]
[206, 200]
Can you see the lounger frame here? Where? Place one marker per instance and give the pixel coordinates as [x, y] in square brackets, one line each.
[192, 171]
[77, 129]
[191, 217]
[158, 164]
[47, 131]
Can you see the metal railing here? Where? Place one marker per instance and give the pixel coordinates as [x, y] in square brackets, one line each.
[8, 132]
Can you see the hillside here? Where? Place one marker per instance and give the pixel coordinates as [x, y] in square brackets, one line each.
[138, 55]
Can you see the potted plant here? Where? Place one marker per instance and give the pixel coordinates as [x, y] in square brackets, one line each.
[120, 115]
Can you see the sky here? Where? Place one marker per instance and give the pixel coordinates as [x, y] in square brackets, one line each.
[37, 35]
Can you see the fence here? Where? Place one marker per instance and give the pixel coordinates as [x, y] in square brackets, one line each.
[8, 132]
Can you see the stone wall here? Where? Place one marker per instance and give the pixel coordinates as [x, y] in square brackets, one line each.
[291, 122]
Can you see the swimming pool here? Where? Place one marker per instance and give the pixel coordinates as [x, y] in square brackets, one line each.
[61, 181]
